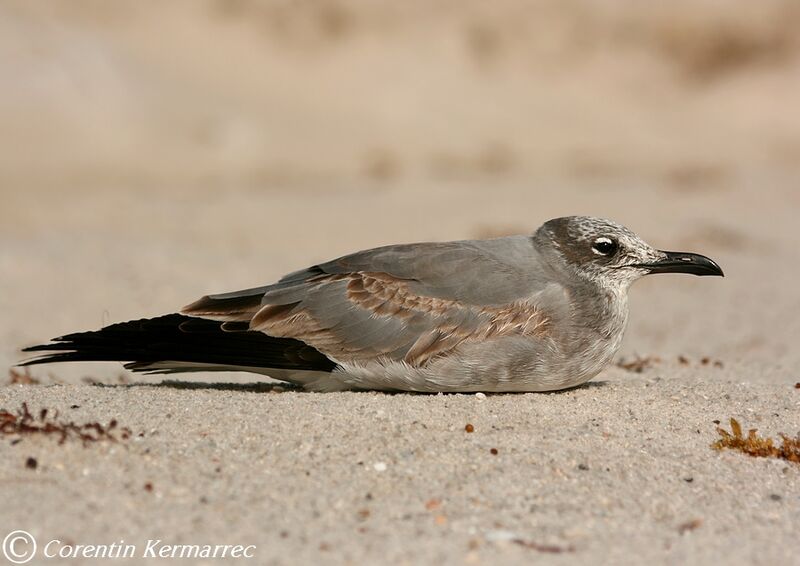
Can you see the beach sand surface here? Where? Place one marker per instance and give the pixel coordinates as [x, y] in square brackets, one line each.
[150, 157]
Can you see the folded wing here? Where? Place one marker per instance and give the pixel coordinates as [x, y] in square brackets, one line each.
[411, 302]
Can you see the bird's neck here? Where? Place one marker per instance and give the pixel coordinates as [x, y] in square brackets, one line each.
[597, 323]
[598, 311]
[603, 309]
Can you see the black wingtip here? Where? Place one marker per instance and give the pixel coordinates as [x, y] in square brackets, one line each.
[44, 347]
[181, 338]
[46, 359]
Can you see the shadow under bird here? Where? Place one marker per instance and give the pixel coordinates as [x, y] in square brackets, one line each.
[536, 312]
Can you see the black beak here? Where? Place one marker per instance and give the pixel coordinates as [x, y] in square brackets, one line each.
[684, 262]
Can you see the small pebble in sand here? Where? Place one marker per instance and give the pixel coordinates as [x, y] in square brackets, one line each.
[493, 451]
[689, 526]
[469, 428]
[379, 466]
[433, 504]
[31, 463]
[481, 396]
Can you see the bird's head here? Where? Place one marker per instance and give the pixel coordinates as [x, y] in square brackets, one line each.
[609, 254]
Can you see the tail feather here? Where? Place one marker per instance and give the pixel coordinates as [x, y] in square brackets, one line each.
[180, 338]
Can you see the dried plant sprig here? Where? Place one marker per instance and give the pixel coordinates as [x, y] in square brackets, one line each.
[757, 446]
[47, 423]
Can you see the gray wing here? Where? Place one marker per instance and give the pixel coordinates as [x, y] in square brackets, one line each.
[406, 302]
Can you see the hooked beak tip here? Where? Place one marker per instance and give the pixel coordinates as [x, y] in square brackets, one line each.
[684, 262]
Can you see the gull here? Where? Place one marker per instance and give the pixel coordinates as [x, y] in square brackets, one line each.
[538, 312]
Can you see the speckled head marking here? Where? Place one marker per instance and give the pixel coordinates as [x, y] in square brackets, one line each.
[597, 249]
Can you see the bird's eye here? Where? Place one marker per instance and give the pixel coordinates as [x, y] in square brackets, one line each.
[604, 246]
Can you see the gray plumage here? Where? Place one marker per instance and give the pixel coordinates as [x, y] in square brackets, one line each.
[522, 313]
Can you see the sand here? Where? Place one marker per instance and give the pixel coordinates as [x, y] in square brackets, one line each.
[156, 171]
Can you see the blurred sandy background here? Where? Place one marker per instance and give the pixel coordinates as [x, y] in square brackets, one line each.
[152, 152]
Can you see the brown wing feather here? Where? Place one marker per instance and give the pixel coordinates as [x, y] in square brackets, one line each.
[427, 327]
[232, 309]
